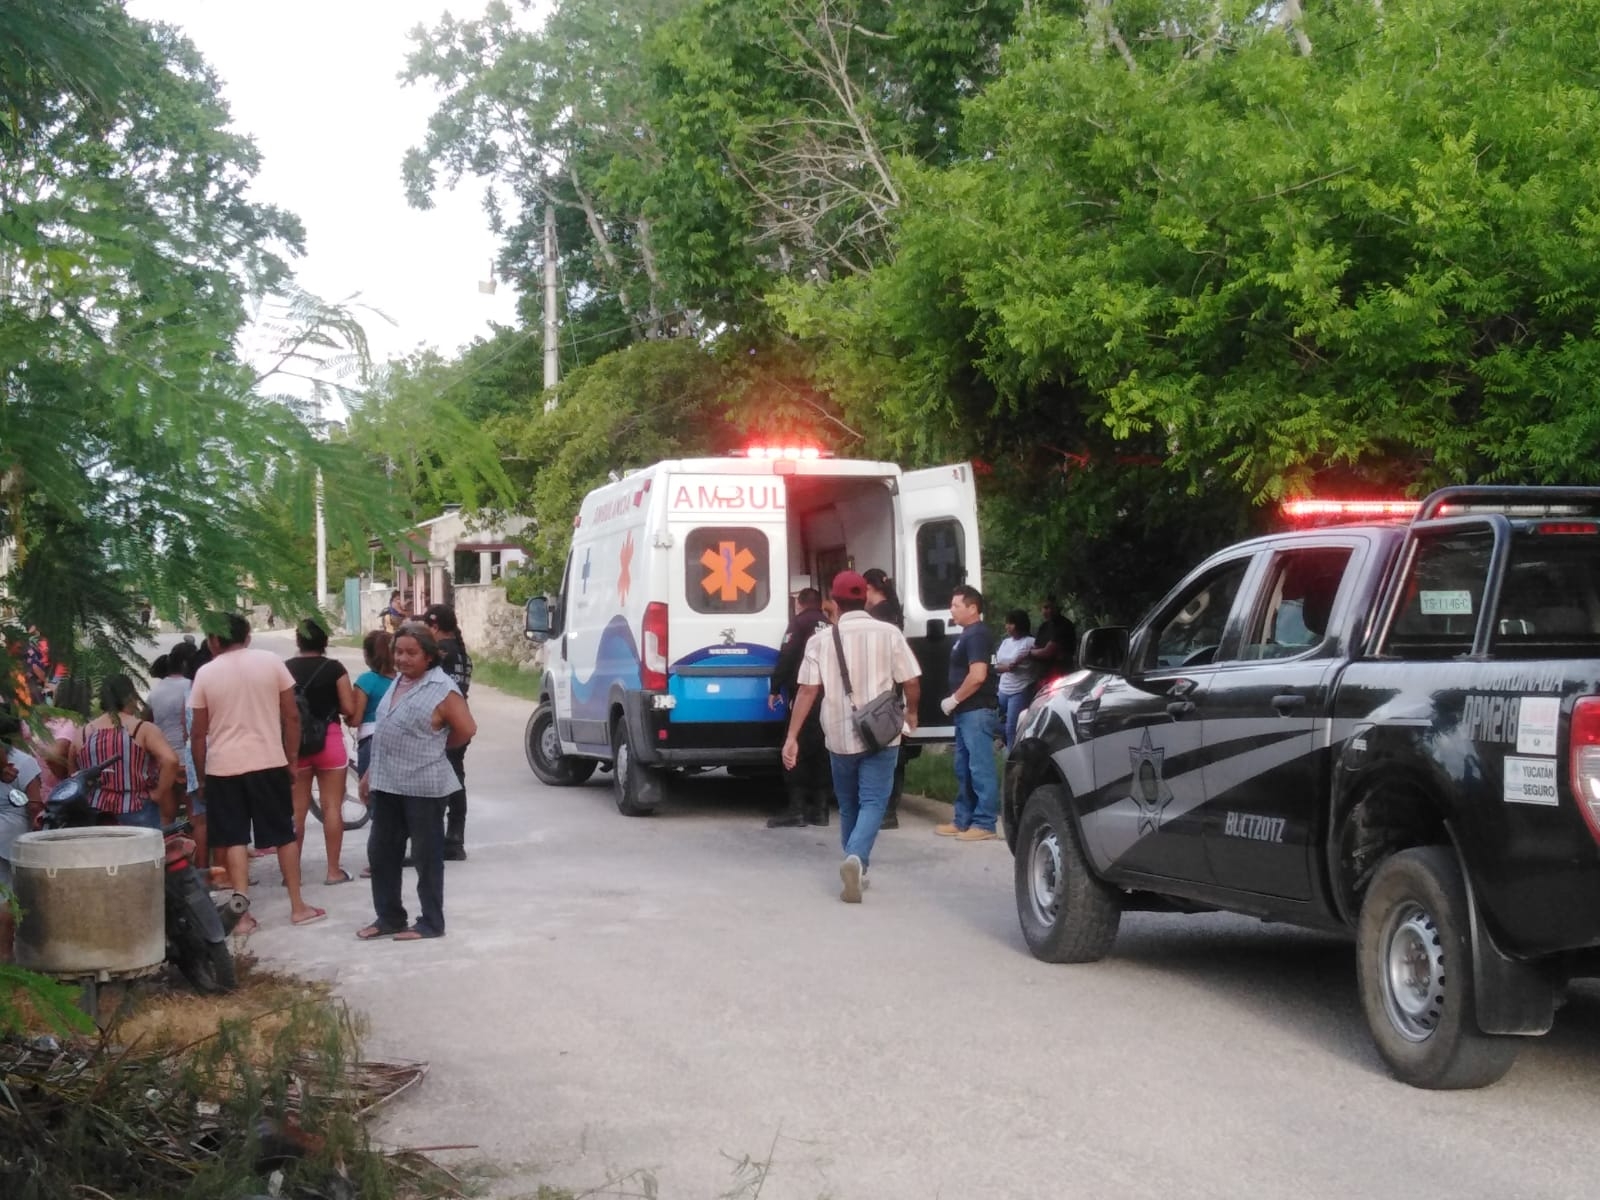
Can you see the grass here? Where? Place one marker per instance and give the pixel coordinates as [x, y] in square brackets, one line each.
[933, 773]
[507, 677]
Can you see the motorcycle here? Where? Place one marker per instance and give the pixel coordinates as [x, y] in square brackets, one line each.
[197, 927]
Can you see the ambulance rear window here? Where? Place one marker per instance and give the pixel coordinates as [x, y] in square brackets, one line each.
[941, 562]
[726, 569]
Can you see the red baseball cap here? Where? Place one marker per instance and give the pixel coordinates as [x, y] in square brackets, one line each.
[849, 585]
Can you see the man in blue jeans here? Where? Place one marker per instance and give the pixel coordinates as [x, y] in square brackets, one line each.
[877, 657]
[971, 703]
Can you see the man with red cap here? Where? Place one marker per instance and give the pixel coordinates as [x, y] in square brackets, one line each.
[878, 657]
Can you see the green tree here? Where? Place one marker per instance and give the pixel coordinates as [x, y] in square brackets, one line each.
[138, 456]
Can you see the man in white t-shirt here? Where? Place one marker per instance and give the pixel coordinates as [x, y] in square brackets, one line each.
[245, 733]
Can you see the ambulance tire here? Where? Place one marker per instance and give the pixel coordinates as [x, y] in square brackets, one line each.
[544, 752]
[1067, 914]
[1414, 966]
[636, 787]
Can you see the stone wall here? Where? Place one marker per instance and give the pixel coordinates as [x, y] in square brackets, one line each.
[492, 628]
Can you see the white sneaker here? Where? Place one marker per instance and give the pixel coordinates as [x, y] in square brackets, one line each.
[865, 882]
[850, 873]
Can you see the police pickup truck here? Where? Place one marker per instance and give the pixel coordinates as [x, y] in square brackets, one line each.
[1389, 728]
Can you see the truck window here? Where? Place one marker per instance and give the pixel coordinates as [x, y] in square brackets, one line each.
[727, 569]
[941, 562]
[1550, 598]
[1301, 588]
[1441, 596]
[1190, 631]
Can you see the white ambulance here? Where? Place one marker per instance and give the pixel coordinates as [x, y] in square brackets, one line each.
[680, 584]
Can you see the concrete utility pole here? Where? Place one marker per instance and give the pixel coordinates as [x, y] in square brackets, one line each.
[552, 361]
[322, 550]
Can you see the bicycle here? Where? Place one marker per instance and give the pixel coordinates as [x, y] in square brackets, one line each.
[356, 814]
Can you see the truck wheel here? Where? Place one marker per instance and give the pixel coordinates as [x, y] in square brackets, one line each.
[1067, 915]
[543, 749]
[637, 788]
[1414, 965]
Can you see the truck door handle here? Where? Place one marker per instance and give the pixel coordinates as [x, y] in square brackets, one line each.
[1180, 708]
[1288, 702]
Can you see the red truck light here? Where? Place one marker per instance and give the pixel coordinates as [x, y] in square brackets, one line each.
[1585, 752]
[653, 648]
[1348, 510]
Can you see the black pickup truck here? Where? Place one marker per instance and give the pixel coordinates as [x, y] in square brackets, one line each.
[1389, 728]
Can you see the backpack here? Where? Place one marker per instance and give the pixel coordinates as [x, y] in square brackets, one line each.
[313, 729]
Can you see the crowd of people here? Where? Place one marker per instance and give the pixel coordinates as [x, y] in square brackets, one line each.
[841, 651]
[237, 740]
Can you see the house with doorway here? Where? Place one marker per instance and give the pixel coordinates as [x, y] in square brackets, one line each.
[453, 559]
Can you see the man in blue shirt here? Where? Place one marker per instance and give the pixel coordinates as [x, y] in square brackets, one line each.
[971, 702]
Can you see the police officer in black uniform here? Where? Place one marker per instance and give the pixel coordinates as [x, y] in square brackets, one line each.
[457, 664]
[809, 787]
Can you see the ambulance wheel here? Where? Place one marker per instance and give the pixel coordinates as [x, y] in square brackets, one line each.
[1414, 965]
[1067, 915]
[543, 749]
[636, 787]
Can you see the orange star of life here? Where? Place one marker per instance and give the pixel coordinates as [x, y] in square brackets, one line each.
[729, 571]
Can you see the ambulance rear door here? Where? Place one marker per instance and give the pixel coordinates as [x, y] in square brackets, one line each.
[728, 604]
[937, 511]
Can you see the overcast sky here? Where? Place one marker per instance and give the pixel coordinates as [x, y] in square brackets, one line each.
[315, 84]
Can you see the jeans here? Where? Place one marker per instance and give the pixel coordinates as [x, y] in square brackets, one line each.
[977, 788]
[1011, 706]
[148, 817]
[862, 783]
[394, 819]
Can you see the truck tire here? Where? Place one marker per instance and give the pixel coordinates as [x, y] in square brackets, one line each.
[543, 749]
[636, 787]
[1414, 965]
[1067, 915]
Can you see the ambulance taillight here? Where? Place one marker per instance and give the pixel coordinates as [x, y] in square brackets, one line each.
[653, 648]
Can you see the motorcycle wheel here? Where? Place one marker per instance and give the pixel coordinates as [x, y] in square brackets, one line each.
[208, 966]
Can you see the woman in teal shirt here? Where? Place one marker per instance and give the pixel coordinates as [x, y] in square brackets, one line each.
[378, 649]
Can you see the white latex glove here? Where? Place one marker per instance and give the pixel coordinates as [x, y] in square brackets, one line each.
[948, 705]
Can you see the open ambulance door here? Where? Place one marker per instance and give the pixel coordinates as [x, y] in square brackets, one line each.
[937, 551]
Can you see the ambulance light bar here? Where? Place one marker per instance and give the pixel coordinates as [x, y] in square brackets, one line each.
[786, 451]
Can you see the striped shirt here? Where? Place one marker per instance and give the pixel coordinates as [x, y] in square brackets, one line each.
[407, 751]
[124, 787]
[878, 656]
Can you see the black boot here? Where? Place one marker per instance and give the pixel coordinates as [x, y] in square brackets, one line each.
[817, 806]
[455, 828]
[793, 815]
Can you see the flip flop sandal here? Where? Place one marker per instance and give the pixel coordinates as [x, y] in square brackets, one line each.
[317, 914]
[344, 877]
[374, 932]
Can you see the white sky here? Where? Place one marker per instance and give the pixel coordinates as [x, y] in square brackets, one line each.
[315, 84]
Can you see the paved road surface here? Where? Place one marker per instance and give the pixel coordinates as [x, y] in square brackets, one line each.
[680, 992]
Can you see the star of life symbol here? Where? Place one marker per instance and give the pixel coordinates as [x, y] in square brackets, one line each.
[625, 575]
[1149, 789]
[728, 574]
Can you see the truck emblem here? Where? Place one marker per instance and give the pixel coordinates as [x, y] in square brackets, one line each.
[625, 578]
[728, 575]
[729, 637]
[1150, 791]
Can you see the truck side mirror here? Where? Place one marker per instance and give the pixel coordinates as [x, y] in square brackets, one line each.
[536, 619]
[1105, 649]
[935, 629]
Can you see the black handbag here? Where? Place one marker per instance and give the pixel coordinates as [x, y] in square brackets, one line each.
[880, 720]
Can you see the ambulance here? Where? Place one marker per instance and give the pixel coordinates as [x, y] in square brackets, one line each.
[660, 646]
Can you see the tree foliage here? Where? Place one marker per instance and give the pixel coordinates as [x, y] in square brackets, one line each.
[139, 456]
[1153, 263]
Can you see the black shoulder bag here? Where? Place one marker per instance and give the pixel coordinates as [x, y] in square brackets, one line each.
[880, 720]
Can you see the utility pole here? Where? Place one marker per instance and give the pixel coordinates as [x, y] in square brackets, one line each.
[552, 361]
[322, 552]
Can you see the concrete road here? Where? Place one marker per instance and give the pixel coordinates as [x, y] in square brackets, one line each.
[681, 993]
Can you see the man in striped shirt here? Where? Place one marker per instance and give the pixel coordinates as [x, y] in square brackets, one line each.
[878, 658]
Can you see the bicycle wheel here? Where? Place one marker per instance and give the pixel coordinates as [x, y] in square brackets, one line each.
[356, 814]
